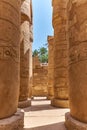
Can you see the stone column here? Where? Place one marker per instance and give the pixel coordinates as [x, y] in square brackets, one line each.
[60, 54]
[50, 67]
[30, 66]
[77, 118]
[10, 118]
[25, 50]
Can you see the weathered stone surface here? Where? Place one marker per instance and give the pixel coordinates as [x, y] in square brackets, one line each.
[24, 104]
[50, 67]
[78, 59]
[9, 56]
[60, 103]
[24, 62]
[26, 53]
[61, 82]
[36, 62]
[26, 10]
[77, 19]
[15, 122]
[40, 78]
[73, 124]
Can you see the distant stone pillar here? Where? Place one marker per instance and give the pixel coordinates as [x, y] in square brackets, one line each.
[60, 54]
[30, 65]
[25, 50]
[50, 67]
[9, 65]
[77, 118]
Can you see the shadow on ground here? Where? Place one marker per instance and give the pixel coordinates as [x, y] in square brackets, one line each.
[42, 116]
[39, 108]
[39, 99]
[37, 105]
[56, 126]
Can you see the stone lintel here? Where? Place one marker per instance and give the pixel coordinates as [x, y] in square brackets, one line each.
[73, 124]
[60, 103]
[15, 122]
[24, 104]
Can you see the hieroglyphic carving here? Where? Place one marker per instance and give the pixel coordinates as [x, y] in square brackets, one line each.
[78, 54]
[77, 63]
[77, 35]
[9, 52]
[9, 57]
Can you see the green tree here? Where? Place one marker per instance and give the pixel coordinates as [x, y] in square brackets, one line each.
[42, 53]
[35, 52]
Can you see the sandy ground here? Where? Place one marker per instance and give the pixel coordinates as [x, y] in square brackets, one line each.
[42, 116]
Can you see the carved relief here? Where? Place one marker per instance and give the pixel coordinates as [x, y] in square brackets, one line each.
[9, 52]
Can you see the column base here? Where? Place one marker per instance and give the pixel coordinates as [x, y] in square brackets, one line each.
[73, 124]
[60, 103]
[24, 104]
[15, 122]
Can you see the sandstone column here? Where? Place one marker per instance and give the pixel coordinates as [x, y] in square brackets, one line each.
[30, 59]
[60, 54]
[25, 53]
[77, 119]
[50, 67]
[9, 65]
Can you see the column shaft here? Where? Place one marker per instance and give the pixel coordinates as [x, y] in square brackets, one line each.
[77, 64]
[9, 56]
[25, 53]
[50, 67]
[60, 54]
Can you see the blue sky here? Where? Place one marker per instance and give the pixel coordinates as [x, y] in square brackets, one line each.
[42, 22]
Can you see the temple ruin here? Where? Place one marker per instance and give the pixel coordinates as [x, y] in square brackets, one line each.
[40, 78]
[22, 77]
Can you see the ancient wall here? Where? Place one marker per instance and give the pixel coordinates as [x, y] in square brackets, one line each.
[25, 52]
[40, 78]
